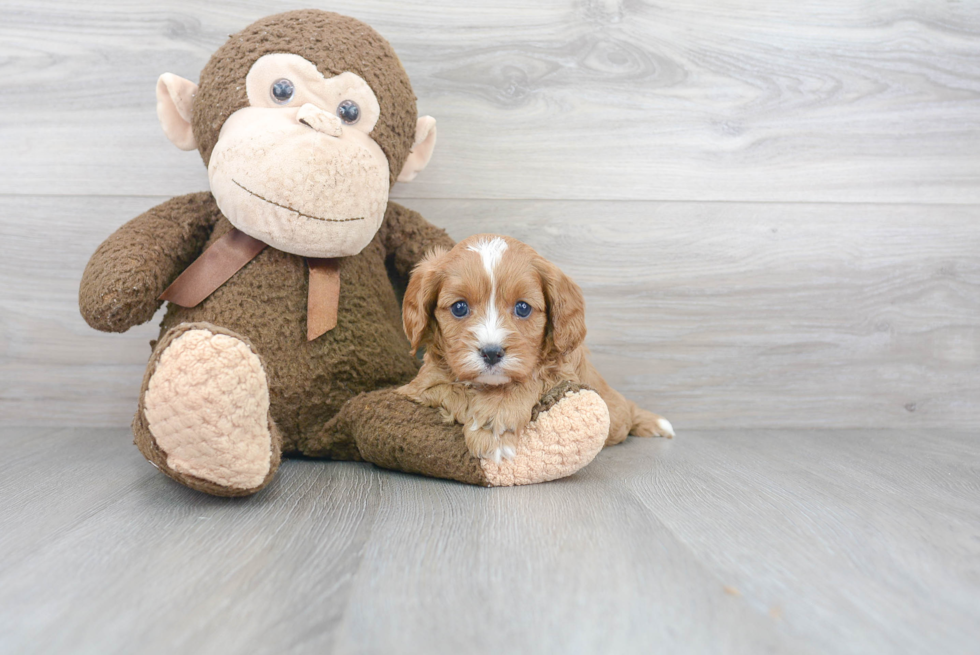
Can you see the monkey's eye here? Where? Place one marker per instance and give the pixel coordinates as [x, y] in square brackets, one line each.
[349, 112]
[522, 309]
[282, 91]
[459, 309]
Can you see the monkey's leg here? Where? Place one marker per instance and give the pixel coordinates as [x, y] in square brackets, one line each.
[203, 416]
[387, 429]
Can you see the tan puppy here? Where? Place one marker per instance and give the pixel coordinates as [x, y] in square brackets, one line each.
[501, 326]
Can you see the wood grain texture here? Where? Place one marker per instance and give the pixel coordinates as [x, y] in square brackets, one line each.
[676, 100]
[714, 314]
[718, 542]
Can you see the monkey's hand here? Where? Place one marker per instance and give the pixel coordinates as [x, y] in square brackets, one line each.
[387, 428]
[125, 277]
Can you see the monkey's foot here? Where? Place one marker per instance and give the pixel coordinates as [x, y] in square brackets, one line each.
[203, 417]
[568, 431]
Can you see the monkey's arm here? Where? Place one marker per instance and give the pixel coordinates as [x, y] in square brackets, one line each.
[407, 237]
[568, 428]
[128, 272]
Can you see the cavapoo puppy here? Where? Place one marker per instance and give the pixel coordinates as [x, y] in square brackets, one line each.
[501, 326]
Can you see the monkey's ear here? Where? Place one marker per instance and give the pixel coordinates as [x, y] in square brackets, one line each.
[175, 99]
[418, 158]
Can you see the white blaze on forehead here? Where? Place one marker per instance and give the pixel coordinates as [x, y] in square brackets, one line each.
[490, 251]
[489, 331]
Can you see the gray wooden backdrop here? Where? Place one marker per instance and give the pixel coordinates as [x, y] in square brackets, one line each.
[772, 206]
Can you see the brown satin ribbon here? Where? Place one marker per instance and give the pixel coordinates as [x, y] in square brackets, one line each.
[324, 297]
[214, 267]
[230, 253]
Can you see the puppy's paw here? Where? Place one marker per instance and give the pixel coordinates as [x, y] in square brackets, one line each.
[507, 448]
[501, 453]
[664, 428]
[447, 416]
[563, 438]
[479, 442]
[648, 424]
[484, 444]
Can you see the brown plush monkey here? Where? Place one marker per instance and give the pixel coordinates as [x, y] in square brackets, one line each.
[282, 308]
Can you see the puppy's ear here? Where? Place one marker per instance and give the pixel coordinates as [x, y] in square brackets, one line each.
[566, 308]
[421, 296]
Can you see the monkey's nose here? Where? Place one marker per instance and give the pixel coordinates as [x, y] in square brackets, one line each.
[312, 116]
[491, 354]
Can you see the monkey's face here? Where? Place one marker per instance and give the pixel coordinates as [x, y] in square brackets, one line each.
[297, 168]
[305, 119]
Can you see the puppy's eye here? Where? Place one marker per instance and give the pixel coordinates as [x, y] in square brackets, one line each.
[282, 91]
[459, 309]
[349, 112]
[522, 309]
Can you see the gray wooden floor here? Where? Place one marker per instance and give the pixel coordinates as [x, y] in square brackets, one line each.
[772, 209]
[827, 541]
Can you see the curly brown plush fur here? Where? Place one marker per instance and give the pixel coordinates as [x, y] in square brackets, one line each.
[125, 276]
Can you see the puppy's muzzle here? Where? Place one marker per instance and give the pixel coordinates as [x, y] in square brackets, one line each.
[491, 355]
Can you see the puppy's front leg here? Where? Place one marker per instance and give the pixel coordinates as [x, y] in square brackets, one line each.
[495, 431]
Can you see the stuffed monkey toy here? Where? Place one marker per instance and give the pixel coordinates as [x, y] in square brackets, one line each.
[283, 328]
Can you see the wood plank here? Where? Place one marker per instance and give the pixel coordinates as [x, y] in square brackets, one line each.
[715, 314]
[159, 568]
[555, 99]
[773, 518]
[54, 368]
[855, 541]
[728, 541]
[53, 480]
[575, 566]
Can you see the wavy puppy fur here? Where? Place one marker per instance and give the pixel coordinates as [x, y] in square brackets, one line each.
[502, 325]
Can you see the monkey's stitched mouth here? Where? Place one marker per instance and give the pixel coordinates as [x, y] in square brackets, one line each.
[296, 211]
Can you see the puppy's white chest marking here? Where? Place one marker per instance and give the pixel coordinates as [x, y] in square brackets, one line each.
[489, 331]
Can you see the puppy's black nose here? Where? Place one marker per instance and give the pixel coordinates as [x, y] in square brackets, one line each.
[491, 354]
